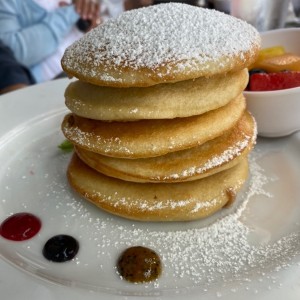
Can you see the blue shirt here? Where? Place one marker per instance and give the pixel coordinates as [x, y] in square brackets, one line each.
[32, 32]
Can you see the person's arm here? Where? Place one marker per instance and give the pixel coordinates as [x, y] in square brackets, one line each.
[31, 32]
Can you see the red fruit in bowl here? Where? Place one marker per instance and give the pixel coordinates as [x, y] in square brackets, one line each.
[274, 81]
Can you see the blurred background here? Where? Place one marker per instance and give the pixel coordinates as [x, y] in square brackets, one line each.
[35, 33]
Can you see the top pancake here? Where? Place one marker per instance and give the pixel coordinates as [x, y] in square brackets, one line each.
[162, 43]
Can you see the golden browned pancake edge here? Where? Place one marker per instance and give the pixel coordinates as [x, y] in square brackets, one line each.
[157, 201]
[162, 101]
[195, 163]
[150, 138]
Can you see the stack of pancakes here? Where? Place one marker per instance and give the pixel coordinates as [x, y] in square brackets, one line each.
[159, 122]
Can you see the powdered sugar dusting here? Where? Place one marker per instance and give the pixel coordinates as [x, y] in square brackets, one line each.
[205, 256]
[213, 255]
[163, 35]
[83, 138]
[140, 204]
[215, 161]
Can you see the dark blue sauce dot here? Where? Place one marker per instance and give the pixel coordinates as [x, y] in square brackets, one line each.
[61, 248]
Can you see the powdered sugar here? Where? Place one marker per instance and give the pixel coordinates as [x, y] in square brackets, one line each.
[84, 139]
[216, 253]
[210, 255]
[215, 161]
[161, 36]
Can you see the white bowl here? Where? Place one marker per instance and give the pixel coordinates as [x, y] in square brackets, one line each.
[277, 113]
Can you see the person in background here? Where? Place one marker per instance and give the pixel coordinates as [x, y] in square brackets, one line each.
[38, 31]
[13, 75]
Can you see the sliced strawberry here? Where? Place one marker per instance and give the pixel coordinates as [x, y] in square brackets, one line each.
[274, 81]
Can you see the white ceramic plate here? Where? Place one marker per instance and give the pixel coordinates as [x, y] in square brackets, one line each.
[251, 249]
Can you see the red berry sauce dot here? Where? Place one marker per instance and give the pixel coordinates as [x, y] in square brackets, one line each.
[61, 248]
[20, 227]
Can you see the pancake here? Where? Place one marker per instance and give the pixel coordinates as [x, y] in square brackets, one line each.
[161, 44]
[162, 101]
[195, 163]
[157, 201]
[150, 138]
